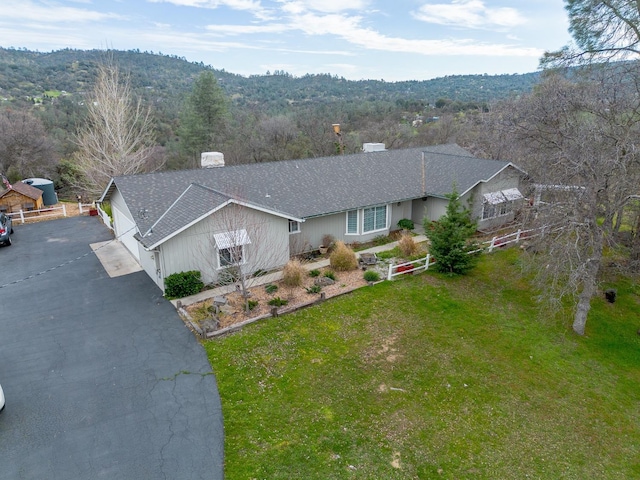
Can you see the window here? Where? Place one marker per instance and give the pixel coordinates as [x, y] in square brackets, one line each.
[231, 256]
[231, 247]
[294, 227]
[352, 222]
[374, 218]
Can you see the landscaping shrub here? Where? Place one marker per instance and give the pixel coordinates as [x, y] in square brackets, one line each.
[371, 276]
[330, 274]
[314, 273]
[406, 224]
[277, 302]
[293, 273]
[407, 245]
[381, 240]
[343, 258]
[328, 240]
[314, 289]
[252, 304]
[271, 288]
[183, 284]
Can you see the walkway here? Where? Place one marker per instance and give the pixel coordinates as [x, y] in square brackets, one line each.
[276, 276]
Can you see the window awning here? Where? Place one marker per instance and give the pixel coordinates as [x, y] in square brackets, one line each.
[235, 238]
[494, 198]
[512, 194]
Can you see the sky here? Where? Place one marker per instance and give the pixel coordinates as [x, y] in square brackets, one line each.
[391, 40]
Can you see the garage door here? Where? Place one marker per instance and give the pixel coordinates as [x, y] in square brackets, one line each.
[126, 229]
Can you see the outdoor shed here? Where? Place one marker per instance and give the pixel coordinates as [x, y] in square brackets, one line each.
[20, 196]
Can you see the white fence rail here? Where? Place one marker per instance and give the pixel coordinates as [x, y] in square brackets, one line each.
[488, 246]
[38, 214]
[105, 217]
[86, 206]
[409, 267]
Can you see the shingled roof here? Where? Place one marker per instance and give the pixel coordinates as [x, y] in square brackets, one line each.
[167, 202]
[24, 189]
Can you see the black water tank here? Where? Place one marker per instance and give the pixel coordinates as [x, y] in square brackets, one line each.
[49, 196]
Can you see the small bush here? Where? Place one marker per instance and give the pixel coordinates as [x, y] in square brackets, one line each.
[293, 273]
[183, 284]
[343, 258]
[277, 302]
[407, 245]
[381, 240]
[371, 276]
[406, 224]
[314, 289]
[328, 240]
[271, 288]
[314, 273]
[330, 274]
[252, 304]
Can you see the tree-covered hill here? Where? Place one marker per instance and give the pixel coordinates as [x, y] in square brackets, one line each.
[26, 73]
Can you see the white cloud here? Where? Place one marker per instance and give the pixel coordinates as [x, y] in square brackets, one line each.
[325, 6]
[49, 13]
[469, 14]
[253, 6]
[349, 29]
[247, 29]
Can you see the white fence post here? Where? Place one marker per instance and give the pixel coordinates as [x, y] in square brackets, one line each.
[21, 216]
[426, 261]
[389, 275]
[64, 209]
[80, 207]
[492, 244]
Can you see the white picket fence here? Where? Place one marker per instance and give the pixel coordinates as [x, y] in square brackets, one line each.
[487, 246]
[27, 215]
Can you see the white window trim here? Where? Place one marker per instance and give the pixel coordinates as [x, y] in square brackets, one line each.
[298, 230]
[244, 258]
[357, 232]
[386, 220]
[224, 241]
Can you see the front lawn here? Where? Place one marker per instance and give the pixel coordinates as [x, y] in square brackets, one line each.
[433, 377]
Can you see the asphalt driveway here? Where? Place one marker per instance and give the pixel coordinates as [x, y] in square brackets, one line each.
[102, 378]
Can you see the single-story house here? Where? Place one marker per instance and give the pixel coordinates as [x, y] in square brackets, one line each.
[20, 197]
[267, 212]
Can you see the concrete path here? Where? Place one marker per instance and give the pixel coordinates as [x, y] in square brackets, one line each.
[115, 258]
[275, 276]
[102, 379]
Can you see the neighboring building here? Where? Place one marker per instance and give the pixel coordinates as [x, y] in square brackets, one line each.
[20, 197]
[194, 219]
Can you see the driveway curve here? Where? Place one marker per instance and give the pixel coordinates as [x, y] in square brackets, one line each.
[101, 377]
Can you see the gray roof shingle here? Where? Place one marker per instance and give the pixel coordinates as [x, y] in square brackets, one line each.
[170, 201]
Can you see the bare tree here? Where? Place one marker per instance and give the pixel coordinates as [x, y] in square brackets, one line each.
[581, 141]
[25, 148]
[117, 137]
[243, 244]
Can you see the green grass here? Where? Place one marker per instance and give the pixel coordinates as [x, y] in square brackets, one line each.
[435, 377]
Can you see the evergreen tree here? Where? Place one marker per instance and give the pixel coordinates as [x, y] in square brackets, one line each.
[450, 238]
[204, 118]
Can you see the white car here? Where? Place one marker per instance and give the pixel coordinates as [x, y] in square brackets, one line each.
[1, 399]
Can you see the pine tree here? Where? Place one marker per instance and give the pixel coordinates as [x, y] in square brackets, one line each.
[204, 118]
[450, 238]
